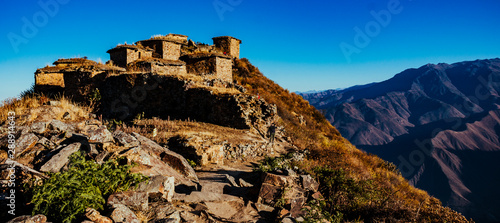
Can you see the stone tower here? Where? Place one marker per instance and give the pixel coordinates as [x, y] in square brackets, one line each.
[229, 45]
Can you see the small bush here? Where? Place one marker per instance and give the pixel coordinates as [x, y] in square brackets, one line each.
[344, 195]
[94, 98]
[66, 195]
[270, 164]
[317, 211]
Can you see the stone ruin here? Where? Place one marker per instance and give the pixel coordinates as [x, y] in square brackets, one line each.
[164, 76]
[170, 54]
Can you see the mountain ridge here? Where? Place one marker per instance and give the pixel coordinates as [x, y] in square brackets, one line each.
[428, 117]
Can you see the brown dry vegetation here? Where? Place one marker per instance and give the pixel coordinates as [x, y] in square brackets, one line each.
[34, 107]
[166, 129]
[386, 196]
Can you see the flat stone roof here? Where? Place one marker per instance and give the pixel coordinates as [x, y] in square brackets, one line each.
[126, 46]
[74, 64]
[74, 61]
[226, 37]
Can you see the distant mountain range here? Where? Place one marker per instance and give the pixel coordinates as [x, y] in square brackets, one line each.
[440, 124]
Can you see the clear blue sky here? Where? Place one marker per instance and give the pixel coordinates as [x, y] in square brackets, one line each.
[302, 45]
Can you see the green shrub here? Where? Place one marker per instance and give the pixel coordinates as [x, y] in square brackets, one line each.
[66, 195]
[192, 163]
[270, 164]
[344, 194]
[317, 212]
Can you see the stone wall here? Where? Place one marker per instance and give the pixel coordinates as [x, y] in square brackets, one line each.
[171, 50]
[126, 95]
[80, 85]
[122, 57]
[168, 69]
[49, 79]
[201, 66]
[119, 58]
[224, 69]
[155, 45]
[229, 45]
[163, 49]
[234, 49]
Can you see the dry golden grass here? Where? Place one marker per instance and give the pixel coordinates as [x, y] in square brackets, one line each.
[33, 108]
[165, 129]
[394, 196]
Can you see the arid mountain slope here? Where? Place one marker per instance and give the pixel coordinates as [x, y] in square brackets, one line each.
[438, 123]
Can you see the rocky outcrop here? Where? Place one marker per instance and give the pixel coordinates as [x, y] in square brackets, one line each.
[217, 150]
[127, 95]
[174, 192]
[48, 150]
[288, 192]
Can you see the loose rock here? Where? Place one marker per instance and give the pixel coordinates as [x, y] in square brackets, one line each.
[58, 161]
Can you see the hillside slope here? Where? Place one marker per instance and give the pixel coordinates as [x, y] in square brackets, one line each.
[353, 185]
[393, 199]
[438, 123]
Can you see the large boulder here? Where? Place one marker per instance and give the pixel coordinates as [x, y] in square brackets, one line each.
[29, 219]
[25, 142]
[290, 192]
[165, 186]
[59, 160]
[150, 164]
[96, 217]
[100, 135]
[123, 214]
[60, 126]
[125, 139]
[174, 160]
[132, 199]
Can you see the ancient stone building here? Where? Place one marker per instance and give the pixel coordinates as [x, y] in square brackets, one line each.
[67, 71]
[159, 66]
[229, 45]
[159, 55]
[125, 54]
[165, 47]
[210, 65]
[49, 78]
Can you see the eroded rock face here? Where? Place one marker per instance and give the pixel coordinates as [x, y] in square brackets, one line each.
[291, 191]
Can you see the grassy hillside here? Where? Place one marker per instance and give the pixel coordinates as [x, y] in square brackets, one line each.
[356, 185]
